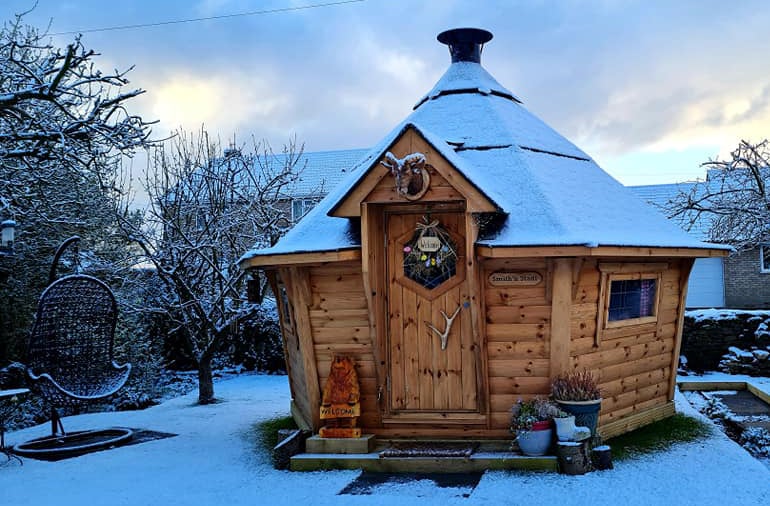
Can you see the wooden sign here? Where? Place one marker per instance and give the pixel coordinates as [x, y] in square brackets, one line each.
[517, 278]
[340, 411]
[429, 244]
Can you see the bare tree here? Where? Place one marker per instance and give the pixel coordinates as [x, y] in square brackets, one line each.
[207, 207]
[733, 203]
[64, 125]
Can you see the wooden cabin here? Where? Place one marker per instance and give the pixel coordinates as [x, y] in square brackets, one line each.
[469, 258]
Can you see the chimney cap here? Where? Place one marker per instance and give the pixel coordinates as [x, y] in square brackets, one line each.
[472, 35]
[465, 43]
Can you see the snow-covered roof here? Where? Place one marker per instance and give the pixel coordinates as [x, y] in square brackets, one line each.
[659, 196]
[552, 192]
[323, 170]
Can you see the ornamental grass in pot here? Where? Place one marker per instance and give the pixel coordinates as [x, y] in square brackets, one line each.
[532, 422]
[578, 393]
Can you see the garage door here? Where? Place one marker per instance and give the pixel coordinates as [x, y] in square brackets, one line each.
[707, 287]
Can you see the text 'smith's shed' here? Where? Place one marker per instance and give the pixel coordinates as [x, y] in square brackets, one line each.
[472, 256]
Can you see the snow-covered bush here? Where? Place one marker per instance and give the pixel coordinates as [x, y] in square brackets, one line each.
[756, 440]
[762, 334]
[715, 409]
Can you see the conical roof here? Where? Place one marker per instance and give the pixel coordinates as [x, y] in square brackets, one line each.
[552, 193]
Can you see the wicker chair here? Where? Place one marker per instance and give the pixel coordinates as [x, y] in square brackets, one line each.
[70, 359]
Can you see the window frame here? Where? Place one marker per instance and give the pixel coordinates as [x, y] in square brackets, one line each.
[762, 268]
[639, 320]
[305, 204]
[607, 329]
[396, 247]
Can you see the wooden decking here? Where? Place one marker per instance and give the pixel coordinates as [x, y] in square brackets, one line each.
[333, 454]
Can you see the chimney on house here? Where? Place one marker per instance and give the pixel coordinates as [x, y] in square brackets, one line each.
[465, 44]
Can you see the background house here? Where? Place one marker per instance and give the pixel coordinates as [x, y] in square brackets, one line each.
[320, 172]
[741, 280]
[707, 279]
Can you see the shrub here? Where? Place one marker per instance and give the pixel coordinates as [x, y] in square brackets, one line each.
[576, 386]
[525, 413]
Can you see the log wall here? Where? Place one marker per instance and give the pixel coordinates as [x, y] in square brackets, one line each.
[517, 327]
[282, 288]
[633, 363]
[339, 320]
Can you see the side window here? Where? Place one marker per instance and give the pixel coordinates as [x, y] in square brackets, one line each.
[283, 299]
[632, 299]
[764, 258]
[629, 296]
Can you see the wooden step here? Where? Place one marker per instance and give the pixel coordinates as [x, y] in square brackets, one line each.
[478, 462]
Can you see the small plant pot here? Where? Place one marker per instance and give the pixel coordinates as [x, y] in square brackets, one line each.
[565, 428]
[534, 443]
[586, 412]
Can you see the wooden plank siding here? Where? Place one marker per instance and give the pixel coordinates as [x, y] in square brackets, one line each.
[634, 364]
[517, 338]
[339, 322]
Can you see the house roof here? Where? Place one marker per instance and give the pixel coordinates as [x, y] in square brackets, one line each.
[319, 171]
[552, 192]
[660, 195]
[323, 170]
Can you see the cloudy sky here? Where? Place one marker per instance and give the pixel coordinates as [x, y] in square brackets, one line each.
[649, 88]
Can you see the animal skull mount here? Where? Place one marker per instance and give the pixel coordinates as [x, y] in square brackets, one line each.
[411, 173]
[444, 336]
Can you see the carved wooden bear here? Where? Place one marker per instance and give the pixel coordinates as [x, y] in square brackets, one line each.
[342, 384]
[340, 406]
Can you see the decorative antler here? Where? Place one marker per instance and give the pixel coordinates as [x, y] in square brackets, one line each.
[444, 336]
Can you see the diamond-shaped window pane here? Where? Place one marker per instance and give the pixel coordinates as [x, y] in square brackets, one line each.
[430, 259]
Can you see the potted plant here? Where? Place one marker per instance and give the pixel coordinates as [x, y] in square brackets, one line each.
[578, 393]
[531, 421]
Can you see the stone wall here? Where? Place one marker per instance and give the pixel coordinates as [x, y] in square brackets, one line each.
[708, 335]
[745, 286]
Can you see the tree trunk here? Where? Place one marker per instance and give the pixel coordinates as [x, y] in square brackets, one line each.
[205, 380]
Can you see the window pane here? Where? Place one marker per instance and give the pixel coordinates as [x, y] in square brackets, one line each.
[633, 298]
[430, 259]
[296, 210]
[764, 257]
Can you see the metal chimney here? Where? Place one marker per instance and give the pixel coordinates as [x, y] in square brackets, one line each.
[465, 44]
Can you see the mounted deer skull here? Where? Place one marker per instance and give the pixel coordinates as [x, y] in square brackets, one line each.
[444, 336]
[412, 176]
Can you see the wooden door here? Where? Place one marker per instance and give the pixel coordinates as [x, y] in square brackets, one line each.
[427, 286]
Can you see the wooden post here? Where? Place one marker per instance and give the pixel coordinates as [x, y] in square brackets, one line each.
[561, 304]
[475, 290]
[373, 273]
[300, 278]
[685, 267]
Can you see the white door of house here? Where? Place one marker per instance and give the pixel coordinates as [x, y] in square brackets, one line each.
[707, 285]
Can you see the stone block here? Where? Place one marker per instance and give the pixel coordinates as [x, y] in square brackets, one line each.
[317, 444]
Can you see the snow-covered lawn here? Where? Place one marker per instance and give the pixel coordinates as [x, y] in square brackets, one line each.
[214, 461]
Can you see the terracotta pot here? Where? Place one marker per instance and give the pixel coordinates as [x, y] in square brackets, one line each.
[542, 425]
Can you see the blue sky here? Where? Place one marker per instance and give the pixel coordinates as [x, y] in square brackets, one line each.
[650, 89]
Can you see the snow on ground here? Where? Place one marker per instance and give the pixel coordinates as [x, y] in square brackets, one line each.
[725, 314]
[214, 461]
